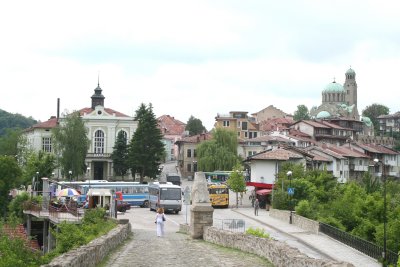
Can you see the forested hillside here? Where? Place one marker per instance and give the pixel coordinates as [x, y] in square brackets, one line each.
[13, 121]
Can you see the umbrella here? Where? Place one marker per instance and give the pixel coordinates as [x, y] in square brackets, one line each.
[67, 192]
[262, 192]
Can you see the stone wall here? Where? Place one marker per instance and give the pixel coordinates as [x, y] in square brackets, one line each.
[300, 221]
[279, 253]
[94, 252]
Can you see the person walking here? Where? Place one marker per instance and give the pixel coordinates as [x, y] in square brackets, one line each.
[256, 206]
[160, 219]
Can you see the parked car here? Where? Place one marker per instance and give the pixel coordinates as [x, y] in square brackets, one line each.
[123, 206]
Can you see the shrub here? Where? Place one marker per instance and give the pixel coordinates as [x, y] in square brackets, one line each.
[259, 232]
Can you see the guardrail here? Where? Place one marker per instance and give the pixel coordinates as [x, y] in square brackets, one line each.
[234, 225]
[69, 213]
[360, 244]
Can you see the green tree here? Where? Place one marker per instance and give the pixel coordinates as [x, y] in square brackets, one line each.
[146, 149]
[10, 174]
[236, 181]
[14, 121]
[195, 126]
[301, 113]
[72, 144]
[219, 153]
[38, 165]
[120, 155]
[373, 112]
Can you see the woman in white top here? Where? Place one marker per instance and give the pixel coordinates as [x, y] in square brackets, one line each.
[160, 219]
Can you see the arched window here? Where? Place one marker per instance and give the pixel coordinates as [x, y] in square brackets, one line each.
[99, 142]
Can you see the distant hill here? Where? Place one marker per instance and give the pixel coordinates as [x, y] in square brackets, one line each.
[13, 121]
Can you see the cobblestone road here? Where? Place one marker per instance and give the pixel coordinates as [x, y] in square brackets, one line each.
[176, 249]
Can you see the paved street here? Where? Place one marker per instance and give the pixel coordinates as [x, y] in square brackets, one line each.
[176, 249]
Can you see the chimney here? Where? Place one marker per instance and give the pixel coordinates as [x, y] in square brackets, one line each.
[58, 109]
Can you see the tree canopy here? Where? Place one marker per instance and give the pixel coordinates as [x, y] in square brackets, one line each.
[195, 126]
[373, 112]
[301, 113]
[14, 121]
[10, 175]
[354, 207]
[219, 153]
[146, 149]
[236, 181]
[71, 144]
[120, 155]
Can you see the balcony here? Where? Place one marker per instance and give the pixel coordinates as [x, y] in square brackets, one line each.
[98, 155]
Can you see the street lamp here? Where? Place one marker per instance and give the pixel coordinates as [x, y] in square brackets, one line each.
[384, 209]
[290, 192]
[36, 181]
[70, 175]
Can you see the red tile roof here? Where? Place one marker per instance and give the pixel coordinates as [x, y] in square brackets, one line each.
[348, 152]
[277, 154]
[51, 123]
[377, 149]
[19, 232]
[108, 110]
[196, 138]
[170, 126]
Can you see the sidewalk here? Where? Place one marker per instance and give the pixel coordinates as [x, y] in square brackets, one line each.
[321, 243]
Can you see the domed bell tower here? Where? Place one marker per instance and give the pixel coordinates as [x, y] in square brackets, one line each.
[350, 87]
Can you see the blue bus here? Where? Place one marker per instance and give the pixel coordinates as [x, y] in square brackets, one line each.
[134, 193]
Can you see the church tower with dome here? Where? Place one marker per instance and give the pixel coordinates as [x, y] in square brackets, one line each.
[339, 101]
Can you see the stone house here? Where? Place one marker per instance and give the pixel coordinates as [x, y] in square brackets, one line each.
[187, 157]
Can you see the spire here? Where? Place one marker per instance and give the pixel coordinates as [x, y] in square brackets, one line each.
[97, 97]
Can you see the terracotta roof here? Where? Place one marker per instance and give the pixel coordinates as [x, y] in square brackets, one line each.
[195, 138]
[51, 123]
[19, 232]
[324, 150]
[275, 124]
[377, 149]
[266, 138]
[318, 157]
[348, 152]
[277, 154]
[170, 126]
[108, 110]
[297, 133]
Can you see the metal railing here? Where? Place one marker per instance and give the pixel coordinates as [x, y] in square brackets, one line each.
[357, 243]
[68, 212]
[234, 225]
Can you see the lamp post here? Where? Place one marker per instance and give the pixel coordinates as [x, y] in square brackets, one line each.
[88, 175]
[384, 210]
[290, 192]
[36, 181]
[70, 175]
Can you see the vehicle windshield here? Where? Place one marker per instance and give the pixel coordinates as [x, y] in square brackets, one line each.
[218, 191]
[170, 194]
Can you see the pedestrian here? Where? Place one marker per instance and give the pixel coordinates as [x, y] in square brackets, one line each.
[252, 198]
[160, 219]
[256, 206]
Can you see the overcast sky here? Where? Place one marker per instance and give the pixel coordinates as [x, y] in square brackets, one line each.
[195, 58]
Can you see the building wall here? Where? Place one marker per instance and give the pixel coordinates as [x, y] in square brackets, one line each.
[268, 113]
[263, 171]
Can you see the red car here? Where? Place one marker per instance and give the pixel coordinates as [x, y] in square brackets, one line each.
[123, 206]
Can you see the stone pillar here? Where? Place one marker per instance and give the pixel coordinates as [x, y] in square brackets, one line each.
[45, 236]
[200, 215]
[46, 194]
[29, 225]
[201, 212]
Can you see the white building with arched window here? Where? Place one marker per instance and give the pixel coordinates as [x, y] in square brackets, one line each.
[103, 125]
